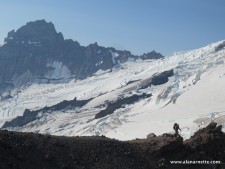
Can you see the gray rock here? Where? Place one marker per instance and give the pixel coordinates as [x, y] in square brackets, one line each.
[151, 135]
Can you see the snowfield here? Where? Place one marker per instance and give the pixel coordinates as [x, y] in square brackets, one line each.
[193, 96]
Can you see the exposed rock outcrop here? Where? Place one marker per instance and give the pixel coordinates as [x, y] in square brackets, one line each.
[119, 103]
[220, 46]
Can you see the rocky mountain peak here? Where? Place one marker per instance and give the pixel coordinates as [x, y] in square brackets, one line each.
[151, 55]
[37, 52]
[38, 31]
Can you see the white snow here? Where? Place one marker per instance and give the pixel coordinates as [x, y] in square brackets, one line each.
[114, 56]
[193, 97]
[59, 71]
[99, 63]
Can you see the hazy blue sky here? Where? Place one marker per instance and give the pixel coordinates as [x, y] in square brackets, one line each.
[136, 25]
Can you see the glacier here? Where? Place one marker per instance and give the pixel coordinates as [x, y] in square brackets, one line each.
[193, 97]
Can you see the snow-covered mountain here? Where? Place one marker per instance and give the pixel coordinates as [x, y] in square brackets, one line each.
[128, 101]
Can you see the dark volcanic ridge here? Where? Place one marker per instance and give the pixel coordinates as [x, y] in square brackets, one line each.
[29, 150]
[32, 115]
[120, 103]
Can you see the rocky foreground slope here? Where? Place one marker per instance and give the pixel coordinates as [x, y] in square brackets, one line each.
[29, 150]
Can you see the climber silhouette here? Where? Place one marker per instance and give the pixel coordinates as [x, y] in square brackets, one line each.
[176, 127]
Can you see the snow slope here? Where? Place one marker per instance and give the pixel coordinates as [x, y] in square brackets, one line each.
[193, 96]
